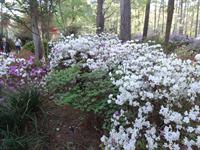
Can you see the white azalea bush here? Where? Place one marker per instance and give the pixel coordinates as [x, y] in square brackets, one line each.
[95, 52]
[158, 94]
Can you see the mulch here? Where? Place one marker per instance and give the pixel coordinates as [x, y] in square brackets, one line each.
[66, 128]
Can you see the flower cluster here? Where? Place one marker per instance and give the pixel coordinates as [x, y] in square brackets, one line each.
[158, 93]
[17, 71]
[161, 93]
[92, 51]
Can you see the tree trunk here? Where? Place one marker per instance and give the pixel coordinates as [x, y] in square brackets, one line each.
[192, 22]
[181, 18]
[197, 19]
[159, 14]
[146, 21]
[100, 17]
[155, 15]
[163, 17]
[170, 11]
[125, 21]
[36, 37]
[186, 17]
[35, 30]
[176, 12]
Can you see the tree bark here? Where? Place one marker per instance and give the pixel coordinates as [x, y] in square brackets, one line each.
[192, 22]
[163, 17]
[35, 30]
[176, 12]
[155, 15]
[197, 19]
[146, 21]
[186, 17]
[181, 18]
[159, 14]
[125, 21]
[170, 11]
[100, 19]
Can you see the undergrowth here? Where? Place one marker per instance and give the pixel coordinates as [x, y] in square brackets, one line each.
[18, 120]
[84, 90]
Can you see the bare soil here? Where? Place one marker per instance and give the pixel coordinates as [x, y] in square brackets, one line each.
[66, 128]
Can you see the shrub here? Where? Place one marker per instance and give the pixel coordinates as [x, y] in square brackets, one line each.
[157, 94]
[84, 90]
[159, 100]
[184, 52]
[29, 46]
[58, 80]
[180, 39]
[90, 94]
[18, 106]
[17, 119]
[18, 71]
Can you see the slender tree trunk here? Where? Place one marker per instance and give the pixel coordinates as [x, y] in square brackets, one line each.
[155, 15]
[125, 21]
[100, 17]
[146, 21]
[197, 19]
[159, 14]
[175, 15]
[138, 19]
[192, 22]
[170, 11]
[181, 18]
[35, 29]
[163, 16]
[186, 17]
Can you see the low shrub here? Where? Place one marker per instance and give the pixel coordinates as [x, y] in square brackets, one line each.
[29, 46]
[84, 90]
[17, 119]
[58, 80]
[184, 52]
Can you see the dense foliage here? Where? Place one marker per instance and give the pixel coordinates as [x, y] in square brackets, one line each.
[18, 123]
[87, 91]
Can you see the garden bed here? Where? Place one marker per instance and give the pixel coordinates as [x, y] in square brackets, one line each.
[68, 128]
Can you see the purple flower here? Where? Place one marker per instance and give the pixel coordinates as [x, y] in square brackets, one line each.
[31, 60]
[13, 70]
[117, 113]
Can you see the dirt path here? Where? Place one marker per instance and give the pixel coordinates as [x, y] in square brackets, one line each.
[68, 129]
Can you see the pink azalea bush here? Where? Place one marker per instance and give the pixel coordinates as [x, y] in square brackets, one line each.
[18, 71]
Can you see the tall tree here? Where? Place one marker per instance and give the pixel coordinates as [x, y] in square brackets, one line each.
[163, 16]
[146, 21]
[181, 17]
[155, 15]
[100, 17]
[71, 15]
[170, 12]
[197, 19]
[192, 22]
[125, 21]
[34, 9]
[33, 12]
